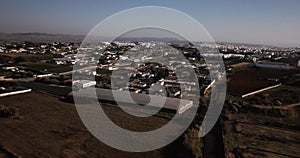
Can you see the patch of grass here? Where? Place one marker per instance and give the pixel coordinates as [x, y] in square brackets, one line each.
[103, 71]
[192, 142]
[8, 112]
[6, 74]
[40, 66]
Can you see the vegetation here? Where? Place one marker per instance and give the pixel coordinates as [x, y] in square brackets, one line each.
[53, 68]
[8, 112]
[10, 74]
[103, 71]
[192, 142]
[9, 84]
[22, 57]
[55, 80]
[6, 74]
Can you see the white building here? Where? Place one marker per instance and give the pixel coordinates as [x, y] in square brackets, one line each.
[64, 61]
[84, 83]
[273, 65]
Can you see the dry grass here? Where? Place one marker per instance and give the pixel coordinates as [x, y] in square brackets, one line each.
[192, 142]
[8, 112]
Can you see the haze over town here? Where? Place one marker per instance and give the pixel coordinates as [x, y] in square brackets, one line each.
[272, 22]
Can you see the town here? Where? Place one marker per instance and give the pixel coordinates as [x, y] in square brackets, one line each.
[53, 62]
[36, 69]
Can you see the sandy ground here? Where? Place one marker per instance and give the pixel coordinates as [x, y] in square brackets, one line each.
[255, 134]
[242, 64]
[49, 127]
[253, 79]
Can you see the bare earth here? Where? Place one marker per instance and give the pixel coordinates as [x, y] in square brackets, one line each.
[49, 127]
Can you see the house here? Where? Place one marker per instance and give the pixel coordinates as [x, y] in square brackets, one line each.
[64, 61]
[10, 68]
[22, 50]
[13, 51]
[84, 83]
[273, 65]
[43, 75]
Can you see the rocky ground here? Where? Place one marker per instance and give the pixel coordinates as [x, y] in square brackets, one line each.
[263, 125]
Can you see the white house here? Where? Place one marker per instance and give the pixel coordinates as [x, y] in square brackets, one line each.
[84, 83]
[64, 61]
[273, 65]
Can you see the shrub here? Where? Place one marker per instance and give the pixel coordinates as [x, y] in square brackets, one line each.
[8, 112]
[192, 142]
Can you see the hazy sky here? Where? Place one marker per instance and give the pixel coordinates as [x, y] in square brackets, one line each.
[249, 21]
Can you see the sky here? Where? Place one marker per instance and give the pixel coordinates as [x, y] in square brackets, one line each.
[273, 22]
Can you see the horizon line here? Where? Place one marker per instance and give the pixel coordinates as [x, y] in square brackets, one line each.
[217, 41]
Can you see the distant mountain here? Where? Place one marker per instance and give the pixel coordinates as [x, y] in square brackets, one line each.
[245, 44]
[45, 37]
[39, 37]
[147, 39]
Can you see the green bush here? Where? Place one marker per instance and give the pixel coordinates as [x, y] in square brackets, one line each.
[8, 112]
[192, 142]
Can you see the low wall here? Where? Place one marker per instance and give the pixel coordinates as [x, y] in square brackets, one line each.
[261, 90]
[15, 93]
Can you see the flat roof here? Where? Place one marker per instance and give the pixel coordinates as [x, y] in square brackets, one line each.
[179, 105]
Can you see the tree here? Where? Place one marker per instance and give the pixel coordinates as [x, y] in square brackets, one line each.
[192, 142]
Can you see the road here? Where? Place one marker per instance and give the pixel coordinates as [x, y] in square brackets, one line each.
[48, 88]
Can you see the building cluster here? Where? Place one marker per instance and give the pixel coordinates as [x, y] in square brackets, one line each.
[39, 48]
[63, 53]
[262, 56]
[153, 67]
[149, 66]
[145, 75]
